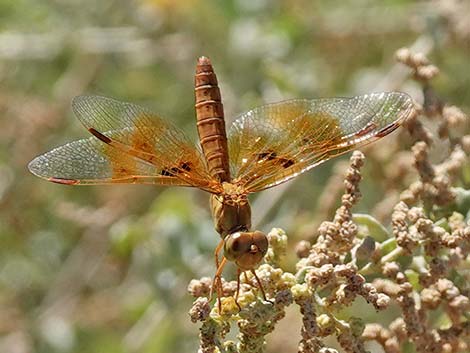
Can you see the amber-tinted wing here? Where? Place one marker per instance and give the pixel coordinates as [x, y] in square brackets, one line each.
[131, 145]
[276, 142]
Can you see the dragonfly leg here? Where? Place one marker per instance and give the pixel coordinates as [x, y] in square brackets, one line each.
[260, 286]
[217, 283]
[239, 273]
[246, 277]
[217, 251]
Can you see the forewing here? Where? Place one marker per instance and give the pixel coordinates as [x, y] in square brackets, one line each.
[144, 136]
[90, 161]
[276, 142]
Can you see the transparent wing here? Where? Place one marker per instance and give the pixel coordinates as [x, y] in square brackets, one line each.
[90, 161]
[272, 144]
[130, 143]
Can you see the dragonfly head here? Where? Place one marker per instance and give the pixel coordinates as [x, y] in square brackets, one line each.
[246, 249]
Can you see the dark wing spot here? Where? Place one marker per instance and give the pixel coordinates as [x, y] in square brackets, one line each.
[266, 156]
[286, 163]
[167, 172]
[185, 166]
[272, 156]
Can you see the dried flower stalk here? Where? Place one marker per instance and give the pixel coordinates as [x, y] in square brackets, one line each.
[419, 263]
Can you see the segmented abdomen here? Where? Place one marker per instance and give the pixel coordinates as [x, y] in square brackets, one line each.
[210, 120]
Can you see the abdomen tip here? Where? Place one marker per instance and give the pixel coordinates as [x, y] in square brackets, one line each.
[203, 60]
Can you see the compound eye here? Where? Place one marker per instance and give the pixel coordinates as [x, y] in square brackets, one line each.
[236, 244]
[261, 241]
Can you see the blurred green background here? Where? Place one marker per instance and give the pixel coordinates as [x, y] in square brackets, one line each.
[105, 268]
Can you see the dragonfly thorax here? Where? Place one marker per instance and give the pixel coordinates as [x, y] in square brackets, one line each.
[233, 194]
[231, 213]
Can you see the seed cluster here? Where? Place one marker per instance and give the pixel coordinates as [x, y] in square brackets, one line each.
[410, 252]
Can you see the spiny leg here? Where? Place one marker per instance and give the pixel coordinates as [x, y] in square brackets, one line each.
[260, 286]
[217, 282]
[217, 251]
[246, 277]
[216, 256]
[239, 272]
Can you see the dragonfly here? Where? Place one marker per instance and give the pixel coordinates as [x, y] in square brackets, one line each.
[263, 147]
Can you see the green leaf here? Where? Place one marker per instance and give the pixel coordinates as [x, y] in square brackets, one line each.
[376, 229]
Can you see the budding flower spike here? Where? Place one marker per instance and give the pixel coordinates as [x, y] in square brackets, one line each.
[264, 147]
